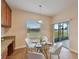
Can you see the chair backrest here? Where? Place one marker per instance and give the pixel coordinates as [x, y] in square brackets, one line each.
[35, 55]
[26, 42]
[45, 38]
[29, 43]
[58, 48]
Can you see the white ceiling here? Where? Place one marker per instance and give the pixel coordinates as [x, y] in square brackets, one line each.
[49, 7]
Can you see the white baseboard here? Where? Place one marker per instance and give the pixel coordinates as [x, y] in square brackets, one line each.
[23, 46]
[72, 50]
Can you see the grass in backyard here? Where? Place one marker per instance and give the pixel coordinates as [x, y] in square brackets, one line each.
[56, 34]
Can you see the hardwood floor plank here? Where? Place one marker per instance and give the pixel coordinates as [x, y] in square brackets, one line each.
[65, 54]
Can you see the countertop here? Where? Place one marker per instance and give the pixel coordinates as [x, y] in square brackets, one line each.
[5, 44]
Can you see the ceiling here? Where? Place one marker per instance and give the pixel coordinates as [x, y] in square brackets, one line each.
[49, 7]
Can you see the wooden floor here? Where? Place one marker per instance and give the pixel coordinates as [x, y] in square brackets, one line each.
[65, 54]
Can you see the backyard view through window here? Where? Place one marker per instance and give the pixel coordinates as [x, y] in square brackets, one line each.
[61, 31]
[33, 29]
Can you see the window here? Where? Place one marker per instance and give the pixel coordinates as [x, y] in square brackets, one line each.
[60, 31]
[33, 29]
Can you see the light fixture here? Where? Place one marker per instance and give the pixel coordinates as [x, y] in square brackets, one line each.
[40, 20]
[40, 6]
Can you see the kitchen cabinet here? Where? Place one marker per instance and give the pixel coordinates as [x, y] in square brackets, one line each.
[5, 14]
[8, 22]
[10, 48]
[7, 46]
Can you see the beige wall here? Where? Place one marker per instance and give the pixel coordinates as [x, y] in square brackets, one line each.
[65, 15]
[18, 29]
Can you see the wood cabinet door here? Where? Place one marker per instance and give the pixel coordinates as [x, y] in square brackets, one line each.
[3, 12]
[8, 16]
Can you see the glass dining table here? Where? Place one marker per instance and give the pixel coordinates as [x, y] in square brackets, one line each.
[41, 47]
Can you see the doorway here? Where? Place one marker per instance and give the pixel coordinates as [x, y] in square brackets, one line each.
[61, 33]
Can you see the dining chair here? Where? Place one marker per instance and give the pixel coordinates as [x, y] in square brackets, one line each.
[35, 55]
[29, 44]
[45, 38]
[55, 49]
